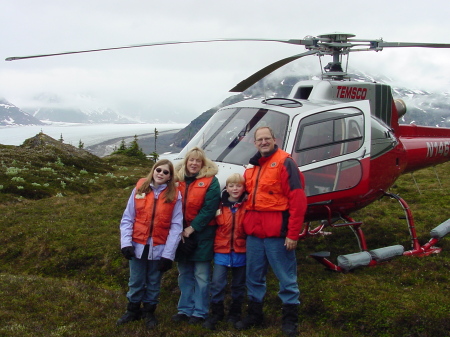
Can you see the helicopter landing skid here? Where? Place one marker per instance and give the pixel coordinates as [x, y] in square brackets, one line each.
[436, 234]
[374, 257]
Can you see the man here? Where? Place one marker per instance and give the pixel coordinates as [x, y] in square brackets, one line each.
[273, 221]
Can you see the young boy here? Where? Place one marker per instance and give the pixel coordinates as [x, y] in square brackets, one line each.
[229, 253]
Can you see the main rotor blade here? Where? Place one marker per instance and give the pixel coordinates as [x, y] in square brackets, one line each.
[248, 82]
[383, 44]
[297, 42]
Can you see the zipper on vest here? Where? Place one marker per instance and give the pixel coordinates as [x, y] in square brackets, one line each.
[155, 201]
[233, 224]
[186, 190]
[256, 187]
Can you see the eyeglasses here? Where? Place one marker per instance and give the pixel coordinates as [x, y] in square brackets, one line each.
[163, 171]
[260, 140]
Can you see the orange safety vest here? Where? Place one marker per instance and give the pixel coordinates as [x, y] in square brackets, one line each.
[153, 217]
[230, 233]
[264, 186]
[194, 197]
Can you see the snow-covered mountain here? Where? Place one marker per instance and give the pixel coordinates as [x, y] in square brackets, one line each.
[423, 107]
[73, 109]
[12, 115]
[77, 115]
[52, 108]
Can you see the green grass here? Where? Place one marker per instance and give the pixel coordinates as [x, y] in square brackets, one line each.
[62, 273]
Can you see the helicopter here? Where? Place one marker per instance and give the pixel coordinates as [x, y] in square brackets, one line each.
[344, 134]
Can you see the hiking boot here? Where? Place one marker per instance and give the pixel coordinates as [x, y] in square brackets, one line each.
[133, 313]
[290, 320]
[254, 317]
[194, 320]
[216, 315]
[148, 313]
[235, 312]
[180, 318]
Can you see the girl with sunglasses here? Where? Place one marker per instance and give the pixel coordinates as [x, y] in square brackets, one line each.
[150, 231]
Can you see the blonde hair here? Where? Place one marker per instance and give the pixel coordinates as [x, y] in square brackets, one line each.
[171, 188]
[235, 178]
[209, 168]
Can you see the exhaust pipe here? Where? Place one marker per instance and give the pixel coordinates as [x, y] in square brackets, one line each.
[400, 106]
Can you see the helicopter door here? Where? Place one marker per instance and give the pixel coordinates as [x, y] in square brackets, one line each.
[330, 147]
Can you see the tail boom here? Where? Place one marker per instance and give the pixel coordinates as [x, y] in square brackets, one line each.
[424, 146]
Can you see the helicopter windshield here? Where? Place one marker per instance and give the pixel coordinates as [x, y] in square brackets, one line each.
[229, 134]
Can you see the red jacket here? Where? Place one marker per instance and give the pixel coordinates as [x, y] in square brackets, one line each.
[153, 217]
[277, 202]
[230, 235]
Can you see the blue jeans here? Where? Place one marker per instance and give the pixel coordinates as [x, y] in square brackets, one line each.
[145, 280]
[194, 280]
[271, 251]
[219, 283]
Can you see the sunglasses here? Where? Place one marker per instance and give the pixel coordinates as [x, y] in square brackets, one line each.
[163, 171]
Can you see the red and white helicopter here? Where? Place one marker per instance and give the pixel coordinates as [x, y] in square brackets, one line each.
[344, 135]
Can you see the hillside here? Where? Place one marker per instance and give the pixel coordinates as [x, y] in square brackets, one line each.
[62, 273]
[44, 167]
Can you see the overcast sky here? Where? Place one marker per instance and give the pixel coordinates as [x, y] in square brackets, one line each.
[179, 82]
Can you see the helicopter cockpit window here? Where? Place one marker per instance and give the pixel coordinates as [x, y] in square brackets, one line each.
[229, 135]
[382, 138]
[329, 134]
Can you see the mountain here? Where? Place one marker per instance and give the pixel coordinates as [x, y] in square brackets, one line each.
[79, 108]
[12, 115]
[53, 108]
[77, 115]
[423, 107]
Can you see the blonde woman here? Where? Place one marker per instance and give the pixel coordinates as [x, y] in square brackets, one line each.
[201, 195]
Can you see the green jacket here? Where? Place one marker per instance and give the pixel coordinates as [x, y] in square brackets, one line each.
[204, 234]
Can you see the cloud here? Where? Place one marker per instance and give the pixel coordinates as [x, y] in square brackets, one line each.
[185, 80]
